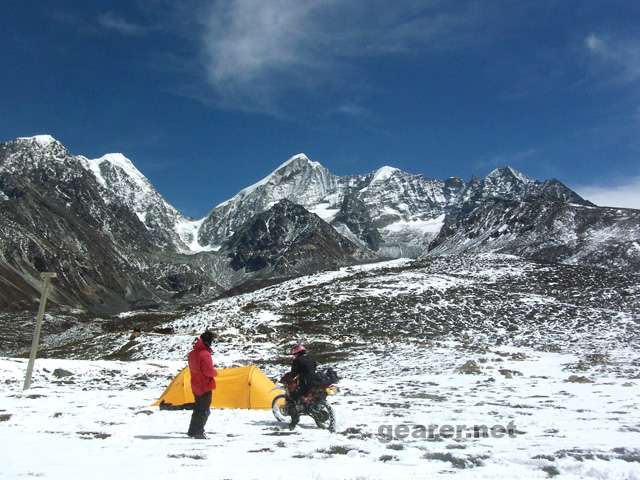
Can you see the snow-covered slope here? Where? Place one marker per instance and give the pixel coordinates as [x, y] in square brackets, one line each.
[549, 352]
[547, 231]
[398, 204]
[99, 419]
[123, 183]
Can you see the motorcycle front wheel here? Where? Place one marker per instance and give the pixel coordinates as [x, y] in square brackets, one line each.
[324, 417]
[279, 408]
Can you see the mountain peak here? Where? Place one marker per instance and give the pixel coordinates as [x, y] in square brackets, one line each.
[119, 160]
[297, 163]
[38, 151]
[114, 157]
[508, 171]
[383, 173]
[299, 159]
[40, 140]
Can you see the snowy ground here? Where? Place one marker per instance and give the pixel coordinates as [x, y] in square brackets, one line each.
[99, 420]
[550, 352]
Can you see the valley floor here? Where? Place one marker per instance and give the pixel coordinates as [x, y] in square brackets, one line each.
[98, 420]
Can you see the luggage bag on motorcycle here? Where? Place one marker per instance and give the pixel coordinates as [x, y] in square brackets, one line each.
[327, 377]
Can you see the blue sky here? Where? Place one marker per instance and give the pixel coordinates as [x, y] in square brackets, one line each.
[207, 97]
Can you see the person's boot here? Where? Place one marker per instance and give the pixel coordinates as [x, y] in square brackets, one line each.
[295, 418]
[200, 436]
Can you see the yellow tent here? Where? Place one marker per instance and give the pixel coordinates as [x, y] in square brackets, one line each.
[241, 387]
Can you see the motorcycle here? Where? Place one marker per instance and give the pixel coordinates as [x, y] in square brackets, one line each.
[313, 403]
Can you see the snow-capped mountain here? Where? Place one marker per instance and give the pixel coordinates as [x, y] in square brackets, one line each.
[119, 183]
[509, 184]
[299, 180]
[390, 211]
[546, 231]
[116, 242]
[381, 198]
[77, 217]
[124, 184]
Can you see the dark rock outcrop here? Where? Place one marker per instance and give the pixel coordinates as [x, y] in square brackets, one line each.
[288, 239]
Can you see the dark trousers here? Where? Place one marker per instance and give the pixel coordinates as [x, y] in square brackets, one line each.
[296, 397]
[201, 411]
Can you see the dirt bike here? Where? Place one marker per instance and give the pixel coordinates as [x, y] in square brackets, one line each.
[313, 403]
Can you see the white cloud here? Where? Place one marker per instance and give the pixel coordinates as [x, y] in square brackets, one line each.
[620, 56]
[257, 52]
[112, 21]
[352, 110]
[595, 44]
[625, 194]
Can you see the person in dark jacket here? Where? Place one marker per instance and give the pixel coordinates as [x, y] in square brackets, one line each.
[304, 367]
[203, 373]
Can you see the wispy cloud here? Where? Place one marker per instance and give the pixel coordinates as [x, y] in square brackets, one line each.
[121, 25]
[351, 110]
[256, 53]
[623, 194]
[619, 56]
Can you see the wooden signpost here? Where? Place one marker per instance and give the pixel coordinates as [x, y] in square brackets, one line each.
[46, 279]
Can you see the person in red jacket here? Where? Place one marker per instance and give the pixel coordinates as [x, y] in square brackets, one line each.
[203, 373]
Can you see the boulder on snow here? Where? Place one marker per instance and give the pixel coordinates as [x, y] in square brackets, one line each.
[61, 373]
[509, 373]
[578, 379]
[469, 368]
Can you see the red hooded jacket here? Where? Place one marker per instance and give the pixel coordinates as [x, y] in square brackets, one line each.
[202, 369]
